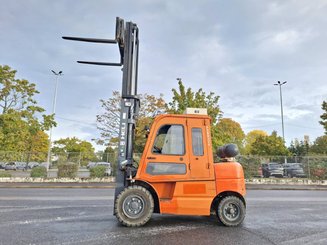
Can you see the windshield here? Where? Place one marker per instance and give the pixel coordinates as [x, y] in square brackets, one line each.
[296, 166]
[274, 166]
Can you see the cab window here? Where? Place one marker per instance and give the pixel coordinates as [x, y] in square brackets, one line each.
[169, 140]
[197, 142]
[164, 168]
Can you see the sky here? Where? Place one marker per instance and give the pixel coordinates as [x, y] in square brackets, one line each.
[234, 48]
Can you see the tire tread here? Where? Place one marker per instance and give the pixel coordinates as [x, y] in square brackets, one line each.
[220, 215]
[126, 221]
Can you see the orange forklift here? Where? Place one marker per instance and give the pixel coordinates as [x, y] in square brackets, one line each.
[176, 174]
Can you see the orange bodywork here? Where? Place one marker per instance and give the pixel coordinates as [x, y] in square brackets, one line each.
[198, 180]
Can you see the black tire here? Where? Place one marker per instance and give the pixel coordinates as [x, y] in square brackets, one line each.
[134, 206]
[231, 211]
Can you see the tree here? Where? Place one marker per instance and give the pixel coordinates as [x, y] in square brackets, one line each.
[150, 107]
[14, 131]
[75, 150]
[228, 131]
[323, 122]
[250, 138]
[184, 98]
[108, 122]
[37, 148]
[22, 121]
[21, 139]
[299, 148]
[15, 94]
[320, 145]
[271, 145]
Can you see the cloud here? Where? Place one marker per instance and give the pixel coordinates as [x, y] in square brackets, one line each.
[234, 48]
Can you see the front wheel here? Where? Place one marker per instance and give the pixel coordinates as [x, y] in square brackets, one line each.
[231, 211]
[134, 206]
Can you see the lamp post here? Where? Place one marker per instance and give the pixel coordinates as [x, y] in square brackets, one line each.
[281, 110]
[281, 105]
[57, 74]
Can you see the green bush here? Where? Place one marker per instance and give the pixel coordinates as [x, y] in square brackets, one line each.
[67, 170]
[318, 173]
[39, 172]
[318, 167]
[98, 172]
[5, 175]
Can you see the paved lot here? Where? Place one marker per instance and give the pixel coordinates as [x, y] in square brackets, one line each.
[84, 216]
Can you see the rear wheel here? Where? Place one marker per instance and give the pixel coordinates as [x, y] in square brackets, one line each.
[231, 211]
[134, 206]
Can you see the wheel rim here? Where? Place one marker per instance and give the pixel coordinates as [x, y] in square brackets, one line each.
[133, 206]
[231, 211]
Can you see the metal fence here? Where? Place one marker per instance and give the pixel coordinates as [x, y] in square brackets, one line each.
[314, 167]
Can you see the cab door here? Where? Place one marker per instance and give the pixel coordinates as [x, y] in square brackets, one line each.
[198, 151]
[167, 157]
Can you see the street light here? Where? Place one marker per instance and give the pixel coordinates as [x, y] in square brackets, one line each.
[57, 74]
[281, 104]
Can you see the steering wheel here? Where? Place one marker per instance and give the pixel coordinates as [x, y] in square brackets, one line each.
[157, 149]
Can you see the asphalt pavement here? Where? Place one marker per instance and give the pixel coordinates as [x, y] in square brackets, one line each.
[84, 216]
[110, 185]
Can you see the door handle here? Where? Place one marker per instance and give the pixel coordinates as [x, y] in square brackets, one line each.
[151, 158]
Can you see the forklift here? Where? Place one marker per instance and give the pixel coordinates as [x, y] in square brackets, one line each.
[176, 173]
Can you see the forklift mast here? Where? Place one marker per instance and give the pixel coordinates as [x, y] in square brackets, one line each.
[128, 43]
